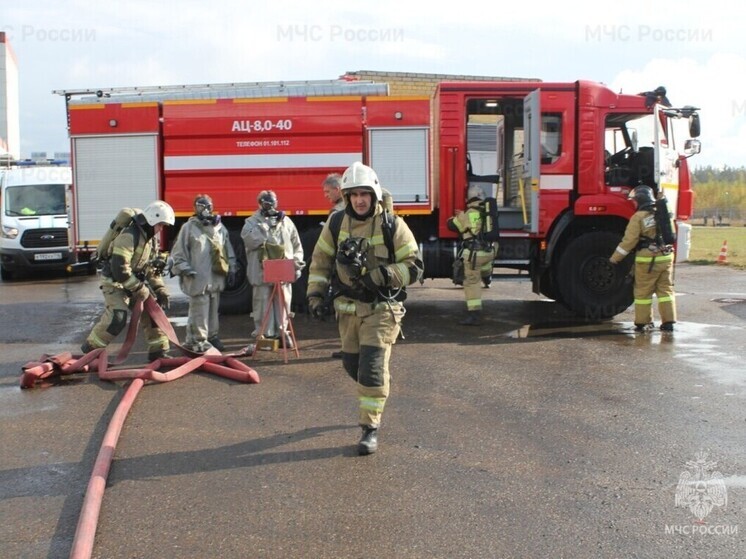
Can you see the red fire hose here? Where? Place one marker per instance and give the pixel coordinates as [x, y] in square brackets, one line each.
[35, 373]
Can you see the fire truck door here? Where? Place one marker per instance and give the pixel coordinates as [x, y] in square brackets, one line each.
[530, 198]
[666, 157]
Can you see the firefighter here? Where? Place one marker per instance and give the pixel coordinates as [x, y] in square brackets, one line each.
[203, 258]
[128, 276]
[653, 269]
[477, 253]
[332, 187]
[270, 234]
[373, 265]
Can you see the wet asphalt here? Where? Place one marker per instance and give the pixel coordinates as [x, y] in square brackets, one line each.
[535, 435]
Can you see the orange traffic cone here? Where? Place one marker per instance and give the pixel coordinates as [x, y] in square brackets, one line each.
[723, 257]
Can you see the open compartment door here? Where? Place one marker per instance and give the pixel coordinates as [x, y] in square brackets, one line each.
[530, 198]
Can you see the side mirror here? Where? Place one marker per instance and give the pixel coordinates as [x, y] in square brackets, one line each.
[694, 125]
[692, 147]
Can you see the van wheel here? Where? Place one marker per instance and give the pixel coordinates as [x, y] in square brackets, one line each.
[589, 285]
[308, 240]
[6, 274]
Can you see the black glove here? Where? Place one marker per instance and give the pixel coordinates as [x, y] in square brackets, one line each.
[316, 307]
[376, 278]
[161, 296]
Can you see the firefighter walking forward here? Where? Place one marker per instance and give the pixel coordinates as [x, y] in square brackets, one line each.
[373, 264]
[477, 253]
[653, 269]
[128, 276]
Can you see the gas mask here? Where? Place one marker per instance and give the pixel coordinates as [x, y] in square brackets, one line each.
[203, 211]
[352, 259]
[268, 209]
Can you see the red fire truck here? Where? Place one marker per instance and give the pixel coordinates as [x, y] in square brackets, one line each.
[560, 158]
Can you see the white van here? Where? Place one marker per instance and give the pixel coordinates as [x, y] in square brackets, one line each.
[34, 219]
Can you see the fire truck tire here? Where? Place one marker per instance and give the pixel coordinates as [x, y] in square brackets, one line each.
[589, 285]
[236, 298]
[308, 239]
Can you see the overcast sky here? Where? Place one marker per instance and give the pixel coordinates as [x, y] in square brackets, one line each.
[697, 50]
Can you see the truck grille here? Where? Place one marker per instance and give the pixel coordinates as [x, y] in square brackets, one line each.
[44, 238]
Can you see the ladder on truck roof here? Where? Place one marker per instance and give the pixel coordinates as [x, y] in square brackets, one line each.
[223, 91]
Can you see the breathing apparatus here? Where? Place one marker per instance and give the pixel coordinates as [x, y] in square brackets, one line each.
[203, 210]
[268, 207]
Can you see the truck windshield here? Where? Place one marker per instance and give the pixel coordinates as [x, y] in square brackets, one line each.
[629, 150]
[35, 199]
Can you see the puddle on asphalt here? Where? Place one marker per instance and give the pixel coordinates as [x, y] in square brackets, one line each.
[705, 347]
[571, 329]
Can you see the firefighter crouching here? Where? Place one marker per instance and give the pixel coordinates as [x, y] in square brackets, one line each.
[128, 276]
[371, 277]
[478, 254]
[653, 269]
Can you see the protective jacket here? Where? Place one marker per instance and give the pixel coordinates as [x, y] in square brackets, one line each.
[653, 268]
[129, 259]
[196, 249]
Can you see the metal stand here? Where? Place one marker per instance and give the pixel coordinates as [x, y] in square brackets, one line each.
[278, 272]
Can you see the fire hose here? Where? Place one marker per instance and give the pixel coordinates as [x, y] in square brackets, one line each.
[37, 373]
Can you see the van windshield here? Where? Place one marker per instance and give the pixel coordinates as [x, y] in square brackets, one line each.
[35, 199]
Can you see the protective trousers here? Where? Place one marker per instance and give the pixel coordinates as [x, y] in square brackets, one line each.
[656, 279]
[202, 323]
[366, 350]
[476, 265]
[114, 320]
[278, 320]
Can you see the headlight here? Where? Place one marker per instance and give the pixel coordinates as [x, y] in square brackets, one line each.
[9, 232]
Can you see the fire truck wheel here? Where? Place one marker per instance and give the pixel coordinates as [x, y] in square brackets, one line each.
[589, 285]
[308, 239]
[236, 298]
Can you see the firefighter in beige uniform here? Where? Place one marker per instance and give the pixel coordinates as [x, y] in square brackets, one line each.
[203, 258]
[371, 277]
[653, 263]
[127, 276]
[478, 254]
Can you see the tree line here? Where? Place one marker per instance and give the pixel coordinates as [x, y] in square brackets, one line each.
[720, 192]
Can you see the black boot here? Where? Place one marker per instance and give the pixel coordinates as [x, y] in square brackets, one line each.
[216, 343]
[86, 347]
[159, 354]
[667, 326]
[369, 441]
[473, 318]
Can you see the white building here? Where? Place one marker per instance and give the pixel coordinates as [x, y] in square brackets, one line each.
[10, 127]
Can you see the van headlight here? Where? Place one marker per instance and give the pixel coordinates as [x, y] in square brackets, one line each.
[9, 232]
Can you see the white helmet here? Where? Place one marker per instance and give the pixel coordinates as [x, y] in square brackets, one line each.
[159, 212]
[358, 175]
[475, 192]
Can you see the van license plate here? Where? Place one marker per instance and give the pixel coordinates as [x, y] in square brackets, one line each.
[48, 256]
